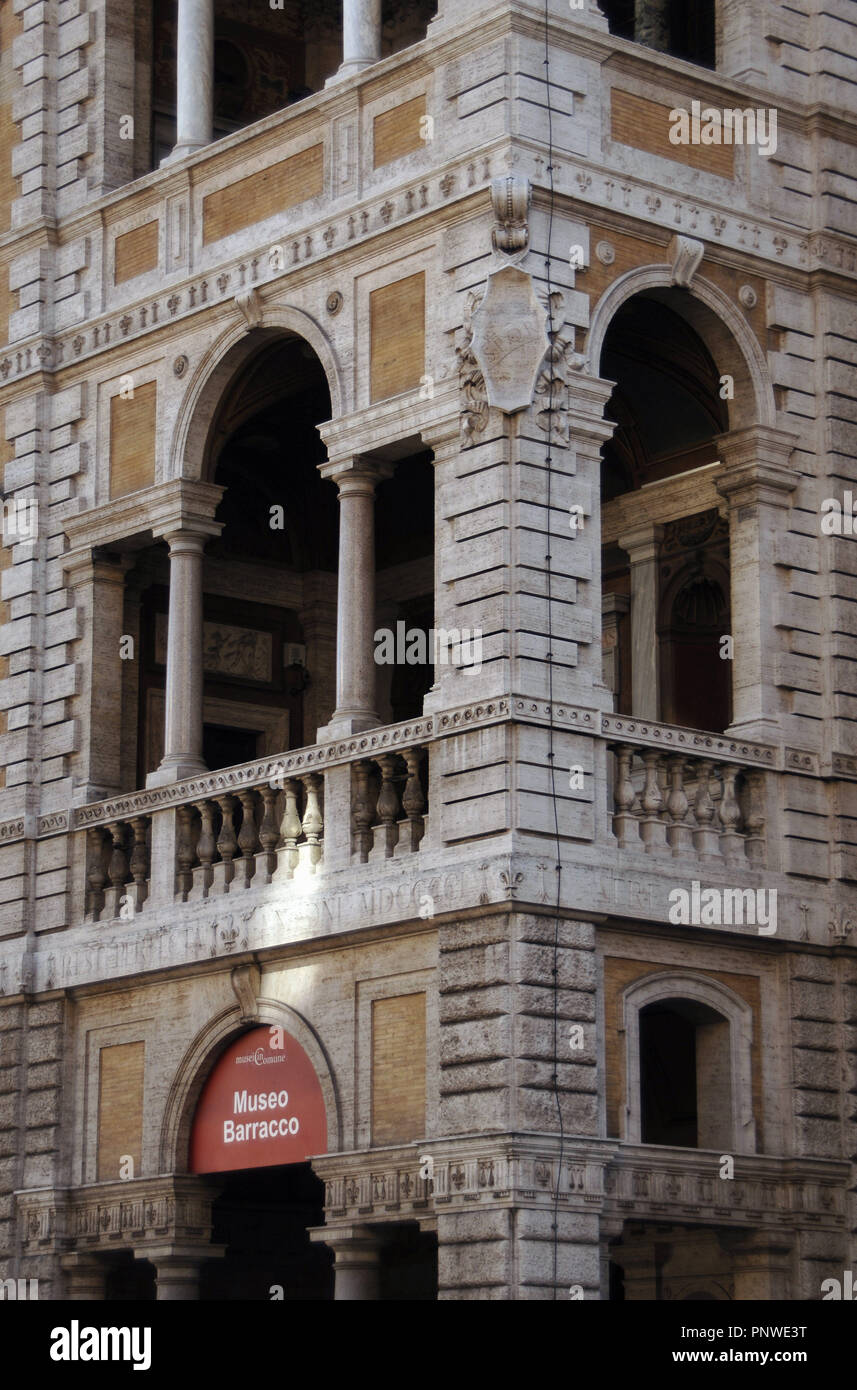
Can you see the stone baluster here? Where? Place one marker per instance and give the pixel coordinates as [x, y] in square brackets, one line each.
[705, 835]
[362, 812]
[290, 833]
[679, 833]
[206, 851]
[185, 853]
[312, 824]
[227, 846]
[730, 814]
[386, 830]
[412, 829]
[269, 836]
[138, 890]
[117, 871]
[626, 827]
[653, 831]
[96, 872]
[248, 840]
[754, 845]
[664, 787]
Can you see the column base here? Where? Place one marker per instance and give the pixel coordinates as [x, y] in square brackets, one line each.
[182, 151]
[168, 773]
[762, 730]
[347, 723]
[350, 69]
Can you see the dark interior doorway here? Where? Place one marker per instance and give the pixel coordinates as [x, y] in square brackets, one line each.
[262, 1216]
[668, 1077]
[409, 1265]
[129, 1280]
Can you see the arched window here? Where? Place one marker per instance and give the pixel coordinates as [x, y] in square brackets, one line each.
[688, 1064]
[665, 558]
[683, 28]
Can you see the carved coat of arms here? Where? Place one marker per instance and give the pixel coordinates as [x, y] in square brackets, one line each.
[510, 338]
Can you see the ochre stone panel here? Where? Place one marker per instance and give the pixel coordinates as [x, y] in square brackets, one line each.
[132, 440]
[397, 132]
[398, 1069]
[120, 1108]
[264, 194]
[397, 315]
[618, 974]
[645, 125]
[135, 252]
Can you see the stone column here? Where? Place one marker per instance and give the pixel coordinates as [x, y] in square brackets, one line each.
[757, 482]
[612, 608]
[356, 709]
[652, 24]
[762, 1263]
[642, 548]
[85, 1276]
[195, 73]
[177, 1270]
[98, 582]
[357, 1260]
[317, 616]
[361, 35]
[183, 735]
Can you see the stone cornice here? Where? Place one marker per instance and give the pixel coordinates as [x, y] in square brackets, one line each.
[180, 504]
[145, 1212]
[593, 1176]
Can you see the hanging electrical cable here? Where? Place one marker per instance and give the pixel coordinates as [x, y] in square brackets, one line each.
[551, 751]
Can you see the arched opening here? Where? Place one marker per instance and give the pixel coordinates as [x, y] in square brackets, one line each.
[258, 1118]
[269, 579]
[266, 58]
[682, 28]
[665, 558]
[685, 1075]
[404, 561]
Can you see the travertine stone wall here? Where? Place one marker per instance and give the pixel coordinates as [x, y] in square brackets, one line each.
[497, 1002]
[31, 1111]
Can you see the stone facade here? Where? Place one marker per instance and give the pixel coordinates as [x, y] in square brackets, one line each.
[451, 241]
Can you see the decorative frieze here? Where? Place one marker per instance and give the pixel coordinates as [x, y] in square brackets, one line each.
[597, 1175]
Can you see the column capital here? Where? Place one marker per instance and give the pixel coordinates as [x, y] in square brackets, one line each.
[755, 467]
[356, 472]
[614, 604]
[188, 542]
[642, 543]
[187, 507]
[91, 565]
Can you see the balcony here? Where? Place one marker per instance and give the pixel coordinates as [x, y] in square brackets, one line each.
[262, 824]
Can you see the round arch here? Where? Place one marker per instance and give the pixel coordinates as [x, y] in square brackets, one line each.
[219, 366]
[720, 325]
[201, 1057]
[702, 989]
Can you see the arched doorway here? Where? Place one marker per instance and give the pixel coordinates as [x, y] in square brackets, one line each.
[259, 1117]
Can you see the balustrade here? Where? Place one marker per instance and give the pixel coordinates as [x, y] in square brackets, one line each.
[388, 806]
[258, 835]
[117, 868]
[681, 805]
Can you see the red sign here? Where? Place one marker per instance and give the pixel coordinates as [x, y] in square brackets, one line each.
[261, 1106]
